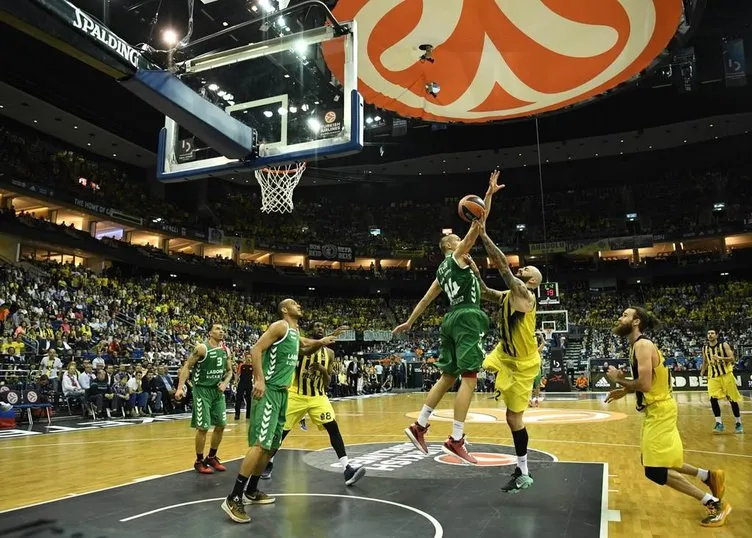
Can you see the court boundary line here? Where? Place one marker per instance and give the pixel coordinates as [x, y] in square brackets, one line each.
[438, 528]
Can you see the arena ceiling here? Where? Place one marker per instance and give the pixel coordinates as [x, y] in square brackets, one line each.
[617, 51]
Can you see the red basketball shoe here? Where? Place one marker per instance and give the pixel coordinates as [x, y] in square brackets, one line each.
[457, 448]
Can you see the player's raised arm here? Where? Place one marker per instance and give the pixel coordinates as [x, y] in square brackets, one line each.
[493, 188]
[308, 345]
[276, 331]
[486, 293]
[524, 300]
[468, 241]
[198, 353]
[433, 291]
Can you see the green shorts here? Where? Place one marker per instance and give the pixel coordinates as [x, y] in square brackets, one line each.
[268, 419]
[462, 333]
[208, 408]
[537, 380]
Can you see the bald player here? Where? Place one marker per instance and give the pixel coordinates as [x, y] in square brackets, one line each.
[516, 359]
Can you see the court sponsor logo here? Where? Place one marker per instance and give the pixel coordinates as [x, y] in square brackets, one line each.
[102, 34]
[498, 60]
[403, 461]
[533, 416]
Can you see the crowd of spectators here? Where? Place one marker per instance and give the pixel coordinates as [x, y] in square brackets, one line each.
[113, 344]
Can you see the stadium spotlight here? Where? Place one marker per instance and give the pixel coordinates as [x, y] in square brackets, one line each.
[521, 227]
[631, 217]
[719, 207]
[169, 37]
[314, 125]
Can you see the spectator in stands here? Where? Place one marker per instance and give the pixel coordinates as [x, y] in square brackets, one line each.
[139, 397]
[101, 394]
[121, 401]
[155, 395]
[50, 367]
[164, 385]
[85, 377]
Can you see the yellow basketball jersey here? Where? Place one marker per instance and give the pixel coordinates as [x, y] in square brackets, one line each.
[661, 388]
[304, 382]
[715, 368]
[516, 329]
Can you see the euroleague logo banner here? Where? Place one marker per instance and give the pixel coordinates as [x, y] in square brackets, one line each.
[499, 59]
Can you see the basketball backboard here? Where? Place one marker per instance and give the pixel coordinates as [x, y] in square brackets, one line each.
[284, 88]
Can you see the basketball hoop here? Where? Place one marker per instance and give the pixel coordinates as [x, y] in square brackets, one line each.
[548, 332]
[277, 184]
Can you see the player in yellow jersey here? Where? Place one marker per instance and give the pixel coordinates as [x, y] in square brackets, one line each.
[307, 395]
[515, 359]
[660, 443]
[718, 364]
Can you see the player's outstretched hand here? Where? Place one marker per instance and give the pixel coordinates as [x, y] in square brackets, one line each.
[493, 186]
[616, 394]
[339, 330]
[403, 328]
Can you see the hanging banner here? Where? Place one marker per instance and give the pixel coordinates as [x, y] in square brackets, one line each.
[331, 252]
[734, 63]
[552, 247]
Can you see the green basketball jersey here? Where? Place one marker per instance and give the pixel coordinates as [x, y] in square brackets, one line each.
[460, 285]
[279, 361]
[210, 370]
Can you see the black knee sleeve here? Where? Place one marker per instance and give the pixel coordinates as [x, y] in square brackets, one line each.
[735, 408]
[520, 438]
[659, 475]
[335, 438]
[716, 407]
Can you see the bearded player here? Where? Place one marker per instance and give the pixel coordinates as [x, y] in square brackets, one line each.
[307, 395]
[718, 364]
[660, 442]
[210, 368]
[274, 357]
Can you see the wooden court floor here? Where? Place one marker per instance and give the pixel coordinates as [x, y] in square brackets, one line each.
[39, 468]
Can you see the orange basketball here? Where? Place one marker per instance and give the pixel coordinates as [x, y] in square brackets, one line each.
[471, 207]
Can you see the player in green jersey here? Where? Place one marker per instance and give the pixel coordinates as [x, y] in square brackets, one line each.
[461, 336]
[210, 368]
[275, 357]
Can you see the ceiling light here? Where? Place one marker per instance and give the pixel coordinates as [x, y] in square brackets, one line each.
[229, 96]
[254, 8]
[221, 93]
[169, 37]
[282, 111]
[114, 154]
[268, 113]
[75, 126]
[287, 75]
[281, 21]
[35, 121]
[377, 118]
[88, 143]
[293, 109]
[369, 120]
[224, 23]
[213, 87]
[301, 47]
[1, 106]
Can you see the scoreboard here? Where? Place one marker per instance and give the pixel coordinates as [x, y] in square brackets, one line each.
[548, 293]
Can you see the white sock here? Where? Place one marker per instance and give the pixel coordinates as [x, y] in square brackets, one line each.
[738, 420]
[271, 460]
[707, 498]
[457, 428]
[718, 420]
[522, 464]
[425, 413]
[344, 462]
[702, 474]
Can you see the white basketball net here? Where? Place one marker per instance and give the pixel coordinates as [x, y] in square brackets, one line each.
[277, 184]
[548, 333]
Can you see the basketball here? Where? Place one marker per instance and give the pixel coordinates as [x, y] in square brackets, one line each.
[471, 207]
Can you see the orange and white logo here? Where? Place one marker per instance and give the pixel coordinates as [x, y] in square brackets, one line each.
[329, 117]
[485, 459]
[500, 59]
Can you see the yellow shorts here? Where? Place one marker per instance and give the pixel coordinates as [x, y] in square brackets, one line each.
[515, 377]
[319, 408]
[660, 442]
[724, 387]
